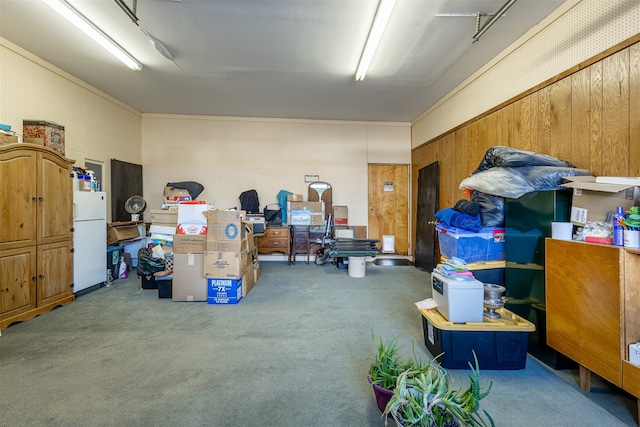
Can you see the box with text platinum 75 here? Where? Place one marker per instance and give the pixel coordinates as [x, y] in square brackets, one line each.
[224, 291]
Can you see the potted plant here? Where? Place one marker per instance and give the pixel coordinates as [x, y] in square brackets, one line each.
[385, 368]
[427, 396]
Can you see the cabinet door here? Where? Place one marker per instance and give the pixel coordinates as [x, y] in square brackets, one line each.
[17, 199]
[55, 199]
[17, 281]
[55, 272]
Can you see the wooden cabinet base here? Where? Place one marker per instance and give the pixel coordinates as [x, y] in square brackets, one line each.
[21, 317]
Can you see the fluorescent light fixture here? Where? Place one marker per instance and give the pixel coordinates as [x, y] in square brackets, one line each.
[385, 7]
[90, 29]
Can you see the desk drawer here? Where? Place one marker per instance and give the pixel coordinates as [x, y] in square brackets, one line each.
[277, 232]
[271, 243]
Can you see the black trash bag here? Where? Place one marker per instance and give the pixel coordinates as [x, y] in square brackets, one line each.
[491, 209]
[513, 182]
[147, 264]
[194, 188]
[249, 202]
[273, 217]
[500, 156]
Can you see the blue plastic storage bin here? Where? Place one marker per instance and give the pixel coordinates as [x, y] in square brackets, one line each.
[485, 245]
[498, 344]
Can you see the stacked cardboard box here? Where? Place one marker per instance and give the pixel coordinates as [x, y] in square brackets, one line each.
[189, 281]
[305, 213]
[221, 266]
[225, 258]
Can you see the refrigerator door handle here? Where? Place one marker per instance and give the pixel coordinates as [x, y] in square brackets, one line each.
[75, 210]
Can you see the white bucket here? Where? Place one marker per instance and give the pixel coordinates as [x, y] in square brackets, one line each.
[562, 230]
[357, 266]
[632, 239]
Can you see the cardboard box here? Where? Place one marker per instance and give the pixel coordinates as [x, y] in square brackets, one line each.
[294, 198]
[224, 291]
[44, 133]
[122, 231]
[340, 215]
[221, 214]
[6, 138]
[225, 264]
[189, 243]
[248, 279]
[176, 192]
[214, 245]
[299, 217]
[189, 283]
[173, 202]
[313, 207]
[164, 217]
[225, 231]
[592, 201]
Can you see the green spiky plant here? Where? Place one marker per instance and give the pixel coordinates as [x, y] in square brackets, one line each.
[387, 365]
[426, 397]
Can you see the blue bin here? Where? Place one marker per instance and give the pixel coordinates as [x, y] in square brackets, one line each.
[483, 246]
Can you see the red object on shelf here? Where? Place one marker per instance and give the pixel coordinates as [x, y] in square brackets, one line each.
[601, 240]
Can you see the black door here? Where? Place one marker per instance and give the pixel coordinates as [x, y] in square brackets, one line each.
[126, 181]
[428, 184]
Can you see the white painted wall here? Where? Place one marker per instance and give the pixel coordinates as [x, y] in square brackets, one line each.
[577, 31]
[97, 127]
[230, 155]
[226, 155]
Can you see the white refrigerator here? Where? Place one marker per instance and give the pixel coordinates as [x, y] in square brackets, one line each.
[89, 239]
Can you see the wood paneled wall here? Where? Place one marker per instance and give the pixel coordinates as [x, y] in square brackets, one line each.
[589, 116]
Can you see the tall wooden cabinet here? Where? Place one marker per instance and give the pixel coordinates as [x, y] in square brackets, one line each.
[593, 301]
[36, 213]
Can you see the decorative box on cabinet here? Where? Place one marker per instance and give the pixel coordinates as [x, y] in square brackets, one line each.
[275, 240]
[36, 202]
[593, 300]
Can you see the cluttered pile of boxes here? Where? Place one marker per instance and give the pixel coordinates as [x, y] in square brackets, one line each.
[212, 253]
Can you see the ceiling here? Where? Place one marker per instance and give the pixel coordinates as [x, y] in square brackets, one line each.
[274, 58]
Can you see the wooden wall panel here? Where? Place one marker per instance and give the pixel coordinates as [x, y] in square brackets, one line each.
[615, 98]
[446, 151]
[463, 167]
[516, 125]
[544, 120]
[634, 110]
[525, 124]
[589, 116]
[580, 104]
[560, 119]
[595, 127]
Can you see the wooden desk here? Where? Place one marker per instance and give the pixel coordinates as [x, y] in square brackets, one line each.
[275, 240]
[593, 301]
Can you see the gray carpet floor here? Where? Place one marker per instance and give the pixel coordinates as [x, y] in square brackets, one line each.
[294, 352]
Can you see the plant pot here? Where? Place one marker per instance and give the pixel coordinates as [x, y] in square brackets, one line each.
[383, 395]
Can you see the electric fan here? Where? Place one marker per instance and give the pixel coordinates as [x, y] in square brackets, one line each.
[135, 205]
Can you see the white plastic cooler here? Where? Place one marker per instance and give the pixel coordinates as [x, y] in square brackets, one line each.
[459, 301]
